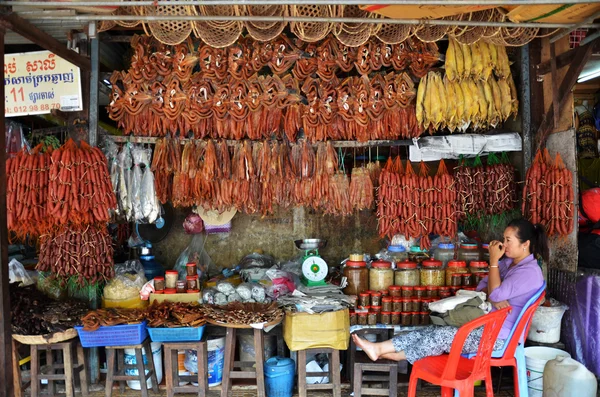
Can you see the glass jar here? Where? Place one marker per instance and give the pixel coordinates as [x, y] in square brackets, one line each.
[386, 304]
[485, 252]
[417, 255]
[425, 304]
[353, 316]
[191, 282]
[395, 318]
[415, 318]
[408, 292]
[357, 274]
[433, 292]
[456, 280]
[397, 305]
[386, 318]
[407, 274]
[362, 318]
[192, 269]
[415, 305]
[445, 292]
[364, 299]
[468, 252]
[444, 253]
[397, 253]
[376, 299]
[395, 291]
[467, 281]
[372, 318]
[455, 267]
[432, 273]
[423, 318]
[454, 290]
[384, 293]
[420, 292]
[406, 305]
[159, 283]
[181, 287]
[478, 267]
[405, 318]
[376, 310]
[477, 277]
[381, 275]
[171, 277]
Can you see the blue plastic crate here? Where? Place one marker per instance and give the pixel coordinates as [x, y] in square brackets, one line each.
[117, 335]
[184, 334]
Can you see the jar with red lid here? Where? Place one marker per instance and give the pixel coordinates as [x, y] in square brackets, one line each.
[415, 318]
[397, 304]
[169, 291]
[468, 252]
[415, 305]
[395, 291]
[456, 280]
[387, 304]
[384, 293]
[485, 252]
[373, 318]
[357, 275]
[362, 318]
[364, 299]
[381, 275]
[425, 304]
[467, 280]
[191, 269]
[353, 317]
[159, 283]
[386, 318]
[455, 267]
[405, 318]
[433, 292]
[181, 287]
[395, 318]
[376, 299]
[477, 277]
[423, 318]
[420, 292]
[445, 292]
[478, 267]
[407, 274]
[432, 273]
[171, 277]
[408, 292]
[406, 304]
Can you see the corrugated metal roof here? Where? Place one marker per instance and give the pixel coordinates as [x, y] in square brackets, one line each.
[58, 29]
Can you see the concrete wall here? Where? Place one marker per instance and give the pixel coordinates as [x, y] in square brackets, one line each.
[275, 235]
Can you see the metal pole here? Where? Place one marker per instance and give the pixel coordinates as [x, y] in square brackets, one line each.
[119, 3]
[93, 107]
[526, 127]
[166, 18]
[573, 27]
[6, 367]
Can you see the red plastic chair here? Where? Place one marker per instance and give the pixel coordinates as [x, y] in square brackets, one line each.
[452, 371]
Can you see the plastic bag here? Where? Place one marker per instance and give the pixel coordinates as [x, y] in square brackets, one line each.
[225, 287]
[15, 139]
[149, 201]
[208, 295]
[244, 290]
[195, 253]
[18, 274]
[139, 160]
[193, 224]
[111, 151]
[128, 281]
[50, 286]
[125, 162]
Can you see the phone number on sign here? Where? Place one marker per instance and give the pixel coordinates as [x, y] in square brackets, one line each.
[32, 108]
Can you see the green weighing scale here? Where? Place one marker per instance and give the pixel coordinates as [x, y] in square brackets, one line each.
[314, 268]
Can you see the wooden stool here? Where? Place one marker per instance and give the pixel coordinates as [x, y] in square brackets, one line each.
[172, 368]
[68, 368]
[229, 372]
[381, 334]
[364, 364]
[121, 377]
[18, 384]
[335, 382]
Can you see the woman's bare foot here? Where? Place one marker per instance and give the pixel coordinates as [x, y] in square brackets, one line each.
[369, 348]
[400, 356]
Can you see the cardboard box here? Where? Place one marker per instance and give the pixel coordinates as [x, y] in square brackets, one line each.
[309, 331]
[181, 298]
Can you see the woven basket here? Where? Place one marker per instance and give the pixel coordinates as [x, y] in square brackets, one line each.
[129, 11]
[431, 33]
[264, 31]
[103, 26]
[312, 31]
[472, 34]
[514, 37]
[491, 31]
[170, 32]
[46, 339]
[218, 34]
[355, 34]
[394, 33]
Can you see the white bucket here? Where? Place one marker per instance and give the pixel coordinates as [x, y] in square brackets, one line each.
[156, 355]
[545, 325]
[216, 359]
[181, 366]
[536, 358]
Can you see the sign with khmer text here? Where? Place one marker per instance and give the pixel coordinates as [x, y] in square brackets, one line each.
[37, 82]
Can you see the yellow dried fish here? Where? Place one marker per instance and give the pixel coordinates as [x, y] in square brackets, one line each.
[443, 100]
[450, 64]
[503, 65]
[451, 122]
[471, 107]
[460, 63]
[493, 53]
[506, 100]
[486, 58]
[461, 118]
[477, 59]
[497, 101]
[467, 60]
[514, 95]
[483, 103]
[427, 107]
[421, 99]
[436, 115]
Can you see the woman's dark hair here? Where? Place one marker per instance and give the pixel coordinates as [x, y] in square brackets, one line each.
[536, 234]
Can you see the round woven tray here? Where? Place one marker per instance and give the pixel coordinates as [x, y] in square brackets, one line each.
[245, 326]
[56, 337]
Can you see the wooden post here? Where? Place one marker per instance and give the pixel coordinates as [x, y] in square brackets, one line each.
[6, 374]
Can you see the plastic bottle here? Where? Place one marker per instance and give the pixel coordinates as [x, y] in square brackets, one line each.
[151, 267]
[564, 377]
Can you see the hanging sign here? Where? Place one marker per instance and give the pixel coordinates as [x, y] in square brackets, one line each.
[37, 82]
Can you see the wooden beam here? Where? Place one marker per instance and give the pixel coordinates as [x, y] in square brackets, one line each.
[562, 60]
[6, 368]
[27, 30]
[554, 75]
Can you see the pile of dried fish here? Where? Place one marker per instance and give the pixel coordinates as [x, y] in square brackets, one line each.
[237, 313]
[33, 313]
[109, 317]
[175, 315]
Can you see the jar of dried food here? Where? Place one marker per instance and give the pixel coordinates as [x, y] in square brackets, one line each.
[362, 318]
[444, 253]
[386, 318]
[395, 291]
[406, 305]
[372, 318]
[468, 252]
[395, 318]
[416, 254]
[180, 287]
[485, 252]
[467, 281]
[377, 310]
[407, 274]
[397, 304]
[433, 292]
[423, 318]
[191, 282]
[386, 304]
[384, 293]
[408, 292]
[397, 253]
[420, 292]
[192, 269]
[425, 304]
[171, 277]
[455, 267]
[159, 283]
[376, 299]
[477, 277]
[357, 274]
[415, 305]
[381, 275]
[405, 318]
[445, 292]
[415, 318]
[456, 280]
[478, 267]
[353, 318]
[364, 299]
[432, 273]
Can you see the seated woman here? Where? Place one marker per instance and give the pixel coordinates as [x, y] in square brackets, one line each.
[514, 278]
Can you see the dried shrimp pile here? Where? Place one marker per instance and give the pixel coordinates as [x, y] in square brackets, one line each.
[416, 205]
[548, 194]
[174, 315]
[109, 317]
[255, 177]
[236, 313]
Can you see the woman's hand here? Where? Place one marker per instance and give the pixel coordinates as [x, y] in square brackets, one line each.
[500, 305]
[496, 249]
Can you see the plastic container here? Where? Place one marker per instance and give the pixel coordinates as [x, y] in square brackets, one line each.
[478, 267]
[151, 267]
[364, 299]
[216, 359]
[159, 283]
[171, 277]
[280, 373]
[432, 273]
[397, 253]
[358, 277]
[455, 267]
[376, 299]
[386, 304]
[417, 255]
[183, 334]
[407, 274]
[381, 275]
[545, 325]
[468, 252]
[444, 253]
[536, 358]
[485, 252]
[395, 291]
[129, 357]
[564, 376]
[117, 335]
